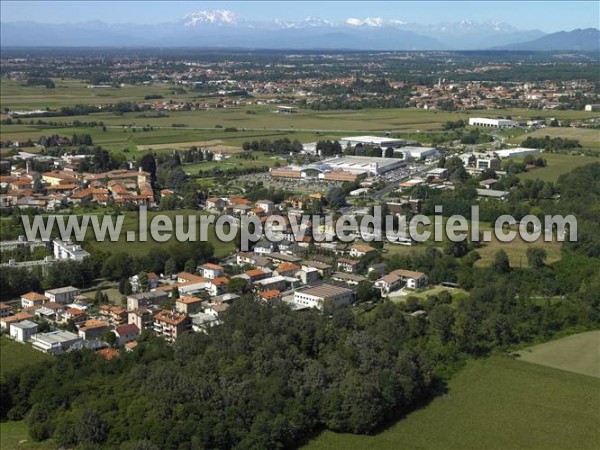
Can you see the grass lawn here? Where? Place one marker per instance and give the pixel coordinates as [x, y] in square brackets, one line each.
[14, 355]
[496, 403]
[579, 353]
[586, 136]
[557, 164]
[137, 248]
[14, 436]
[516, 249]
[434, 290]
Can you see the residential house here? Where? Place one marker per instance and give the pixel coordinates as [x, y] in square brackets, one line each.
[324, 269]
[211, 271]
[126, 333]
[145, 299]
[114, 314]
[7, 321]
[32, 299]
[75, 315]
[23, 331]
[93, 329]
[5, 310]
[215, 204]
[188, 305]
[218, 286]
[142, 318]
[266, 205]
[360, 250]
[348, 265]
[287, 269]
[63, 295]
[271, 297]
[171, 324]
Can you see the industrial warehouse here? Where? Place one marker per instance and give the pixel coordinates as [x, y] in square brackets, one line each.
[342, 168]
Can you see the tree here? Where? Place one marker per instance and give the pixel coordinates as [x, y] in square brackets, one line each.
[125, 286]
[117, 266]
[536, 257]
[237, 285]
[142, 281]
[170, 267]
[336, 197]
[190, 265]
[109, 337]
[91, 428]
[501, 262]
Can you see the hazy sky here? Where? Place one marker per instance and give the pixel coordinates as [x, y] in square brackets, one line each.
[544, 15]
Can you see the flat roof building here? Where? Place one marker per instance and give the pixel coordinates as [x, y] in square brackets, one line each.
[323, 295]
[54, 342]
[375, 141]
[493, 123]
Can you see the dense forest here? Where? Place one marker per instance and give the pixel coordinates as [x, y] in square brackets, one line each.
[272, 378]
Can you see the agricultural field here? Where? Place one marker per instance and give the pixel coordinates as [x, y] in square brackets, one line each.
[579, 353]
[557, 164]
[495, 403]
[586, 136]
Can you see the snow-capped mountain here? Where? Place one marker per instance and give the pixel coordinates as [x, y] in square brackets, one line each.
[214, 17]
[224, 28]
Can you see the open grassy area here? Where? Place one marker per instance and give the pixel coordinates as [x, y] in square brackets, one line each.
[579, 353]
[586, 136]
[14, 355]
[137, 247]
[557, 164]
[14, 436]
[516, 249]
[497, 403]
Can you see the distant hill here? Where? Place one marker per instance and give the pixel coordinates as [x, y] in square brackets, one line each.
[587, 40]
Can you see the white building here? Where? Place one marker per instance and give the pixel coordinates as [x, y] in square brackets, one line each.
[23, 331]
[68, 250]
[375, 141]
[494, 123]
[592, 107]
[420, 152]
[54, 342]
[63, 295]
[518, 152]
[319, 296]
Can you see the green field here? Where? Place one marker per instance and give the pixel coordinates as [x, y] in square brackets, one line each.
[138, 248]
[557, 164]
[14, 436]
[586, 136]
[496, 403]
[516, 249]
[14, 355]
[579, 353]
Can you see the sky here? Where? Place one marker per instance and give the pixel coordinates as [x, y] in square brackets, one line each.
[548, 16]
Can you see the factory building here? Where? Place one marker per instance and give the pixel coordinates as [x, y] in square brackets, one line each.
[491, 123]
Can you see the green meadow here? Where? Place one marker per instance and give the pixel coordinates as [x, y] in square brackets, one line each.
[495, 403]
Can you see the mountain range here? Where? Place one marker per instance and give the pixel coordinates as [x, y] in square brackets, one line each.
[221, 28]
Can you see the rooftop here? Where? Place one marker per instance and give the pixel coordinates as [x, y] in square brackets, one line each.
[325, 290]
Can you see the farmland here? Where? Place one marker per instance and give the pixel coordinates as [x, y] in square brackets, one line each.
[579, 353]
[587, 137]
[497, 403]
[557, 164]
